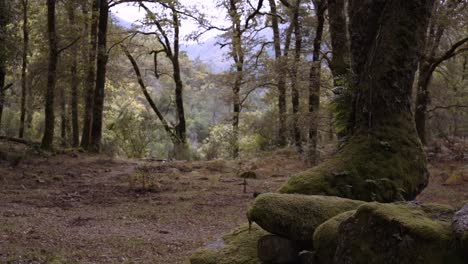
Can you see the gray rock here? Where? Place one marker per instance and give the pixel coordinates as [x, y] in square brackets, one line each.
[460, 221]
[275, 249]
[307, 257]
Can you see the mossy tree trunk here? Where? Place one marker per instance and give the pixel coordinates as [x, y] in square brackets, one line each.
[383, 158]
[74, 79]
[3, 55]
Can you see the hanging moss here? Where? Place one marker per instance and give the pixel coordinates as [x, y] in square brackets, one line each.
[296, 216]
[397, 233]
[386, 164]
[240, 247]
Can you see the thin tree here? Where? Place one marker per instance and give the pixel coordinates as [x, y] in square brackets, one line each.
[314, 82]
[47, 140]
[98, 107]
[24, 67]
[74, 81]
[91, 76]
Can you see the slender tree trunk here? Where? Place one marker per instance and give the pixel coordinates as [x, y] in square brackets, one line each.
[382, 159]
[74, 81]
[3, 55]
[91, 78]
[314, 83]
[280, 76]
[98, 108]
[29, 103]
[295, 78]
[63, 117]
[24, 67]
[181, 150]
[48, 138]
[238, 57]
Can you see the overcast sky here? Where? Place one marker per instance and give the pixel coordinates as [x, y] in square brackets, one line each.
[131, 13]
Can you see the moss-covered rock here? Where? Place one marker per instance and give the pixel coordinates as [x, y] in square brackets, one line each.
[386, 164]
[326, 237]
[397, 233]
[296, 216]
[240, 247]
[460, 227]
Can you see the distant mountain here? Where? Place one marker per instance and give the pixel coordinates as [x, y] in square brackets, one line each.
[209, 53]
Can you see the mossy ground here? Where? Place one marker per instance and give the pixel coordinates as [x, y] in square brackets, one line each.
[240, 247]
[384, 164]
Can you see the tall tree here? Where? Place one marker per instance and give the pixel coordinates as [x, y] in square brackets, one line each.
[91, 75]
[74, 81]
[296, 130]
[383, 158]
[3, 52]
[47, 140]
[98, 107]
[432, 55]
[24, 66]
[280, 75]
[314, 82]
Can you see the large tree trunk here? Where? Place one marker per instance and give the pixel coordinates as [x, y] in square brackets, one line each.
[74, 81]
[24, 67]
[314, 83]
[91, 77]
[280, 75]
[48, 138]
[383, 159]
[98, 108]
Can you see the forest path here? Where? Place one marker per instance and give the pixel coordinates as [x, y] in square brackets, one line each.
[82, 208]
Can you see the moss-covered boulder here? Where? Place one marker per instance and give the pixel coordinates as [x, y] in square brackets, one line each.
[296, 216]
[238, 247]
[326, 237]
[460, 227]
[397, 233]
[385, 165]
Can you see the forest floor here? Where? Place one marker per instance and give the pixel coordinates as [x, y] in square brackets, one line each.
[75, 208]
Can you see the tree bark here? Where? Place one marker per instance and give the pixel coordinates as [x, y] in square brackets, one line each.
[24, 67]
[48, 138]
[238, 57]
[3, 54]
[74, 81]
[91, 77]
[339, 41]
[181, 150]
[280, 76]
[314, 83]
[296, 133]
[382, 159]
[98, 107]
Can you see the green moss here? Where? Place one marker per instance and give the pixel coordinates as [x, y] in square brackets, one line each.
[240, 247]
[326, 236]
[397, 233]
[296, 216]
[385, 164]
